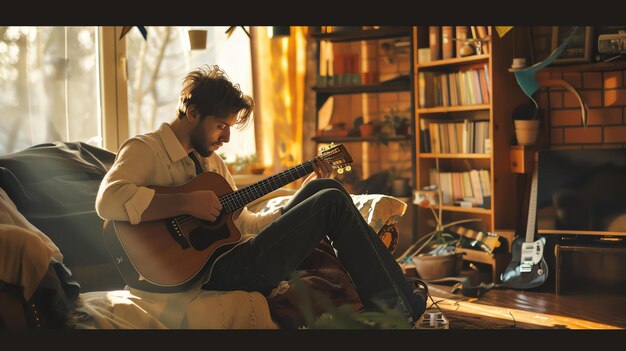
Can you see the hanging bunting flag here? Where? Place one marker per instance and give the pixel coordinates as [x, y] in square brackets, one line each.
[142, 29]
[502, 30]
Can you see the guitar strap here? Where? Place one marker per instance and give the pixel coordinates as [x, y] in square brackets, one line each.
[193, 157]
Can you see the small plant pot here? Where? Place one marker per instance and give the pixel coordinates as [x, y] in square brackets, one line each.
[402, 130]
[367, 130]
[431, 267]
[526, 132]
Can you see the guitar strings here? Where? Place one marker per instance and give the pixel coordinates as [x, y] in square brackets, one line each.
[239, 198]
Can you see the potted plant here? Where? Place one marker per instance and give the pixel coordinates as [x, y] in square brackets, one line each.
[434, 255]
[526, 119]
[399, 123]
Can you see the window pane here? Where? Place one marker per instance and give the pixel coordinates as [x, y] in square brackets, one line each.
[157, 66]
[49, 86]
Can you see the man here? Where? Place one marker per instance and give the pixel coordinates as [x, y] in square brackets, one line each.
[209, 106]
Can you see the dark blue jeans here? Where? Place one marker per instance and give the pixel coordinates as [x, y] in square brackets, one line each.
[321, 209]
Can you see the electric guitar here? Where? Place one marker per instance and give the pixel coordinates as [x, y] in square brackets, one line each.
[528, 268]
[170, 254]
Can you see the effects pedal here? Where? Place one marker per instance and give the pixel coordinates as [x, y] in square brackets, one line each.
[432, 318]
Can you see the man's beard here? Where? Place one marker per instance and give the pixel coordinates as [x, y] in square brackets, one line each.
[199, 143]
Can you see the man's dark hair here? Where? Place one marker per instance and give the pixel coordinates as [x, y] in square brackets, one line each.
[211, 92]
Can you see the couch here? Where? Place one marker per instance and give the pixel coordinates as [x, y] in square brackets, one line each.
[48, 193]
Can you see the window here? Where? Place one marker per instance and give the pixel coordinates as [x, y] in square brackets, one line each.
[156, 68]
[49, 86]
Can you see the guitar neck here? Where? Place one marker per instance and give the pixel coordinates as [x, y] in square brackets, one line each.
[239, 198]
[532, 206]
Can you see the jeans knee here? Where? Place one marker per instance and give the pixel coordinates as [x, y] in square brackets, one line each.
[334, 194]
[325, 183]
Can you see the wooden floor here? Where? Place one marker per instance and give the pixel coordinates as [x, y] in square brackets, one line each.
[507, 308]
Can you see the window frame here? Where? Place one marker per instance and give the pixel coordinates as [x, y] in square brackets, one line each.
[113, 87]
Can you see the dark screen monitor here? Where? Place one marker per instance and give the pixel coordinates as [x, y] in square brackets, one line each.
[582, 192]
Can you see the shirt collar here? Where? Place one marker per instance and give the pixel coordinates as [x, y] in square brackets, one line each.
[173, 146]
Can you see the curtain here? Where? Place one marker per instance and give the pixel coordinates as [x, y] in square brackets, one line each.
[279, 71]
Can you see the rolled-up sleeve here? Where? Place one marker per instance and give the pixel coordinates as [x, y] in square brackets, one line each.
[123, 194]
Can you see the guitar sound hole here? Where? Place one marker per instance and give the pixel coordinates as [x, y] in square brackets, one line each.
[201, 237]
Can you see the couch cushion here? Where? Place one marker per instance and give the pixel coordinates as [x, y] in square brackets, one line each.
[58, 183]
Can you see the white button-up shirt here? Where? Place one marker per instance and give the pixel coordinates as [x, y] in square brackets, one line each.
[159, 159]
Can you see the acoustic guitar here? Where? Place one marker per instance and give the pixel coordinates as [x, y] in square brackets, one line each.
[171, 254]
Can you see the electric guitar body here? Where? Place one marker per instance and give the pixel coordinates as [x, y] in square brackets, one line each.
[528, 268]
[171, 254]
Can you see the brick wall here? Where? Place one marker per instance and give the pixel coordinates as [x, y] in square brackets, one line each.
[605, 96]
[603, 92]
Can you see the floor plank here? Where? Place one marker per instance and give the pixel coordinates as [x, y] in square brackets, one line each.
[508, 308]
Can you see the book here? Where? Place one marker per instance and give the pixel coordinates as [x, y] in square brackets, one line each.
[484, 89]
[447, 44]
[434, 137]
[477, 186]
[460, 36]
[424, 137]
[482, 34]
[434, 42]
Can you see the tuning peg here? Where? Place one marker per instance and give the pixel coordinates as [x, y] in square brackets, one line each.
[340, 170]
[322, 148]
[332, 144]
[348, 168]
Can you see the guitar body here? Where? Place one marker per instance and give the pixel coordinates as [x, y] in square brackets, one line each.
[532, 275]
[169, 255]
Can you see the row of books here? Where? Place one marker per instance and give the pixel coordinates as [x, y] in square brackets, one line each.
[454, 137]
[445, 42]
[342, 69]
[468, 87]
[463, 188]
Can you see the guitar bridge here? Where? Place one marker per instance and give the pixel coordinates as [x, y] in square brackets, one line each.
[177, 233]
[525, 268]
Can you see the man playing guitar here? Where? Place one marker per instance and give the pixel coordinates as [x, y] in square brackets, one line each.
[274, 244]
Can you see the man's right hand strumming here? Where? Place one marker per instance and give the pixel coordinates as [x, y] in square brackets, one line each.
[204, 204]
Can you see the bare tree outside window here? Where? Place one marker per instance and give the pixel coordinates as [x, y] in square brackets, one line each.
[157, 66]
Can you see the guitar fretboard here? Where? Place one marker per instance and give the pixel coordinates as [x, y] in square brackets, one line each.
[238, 199]
[532, 206]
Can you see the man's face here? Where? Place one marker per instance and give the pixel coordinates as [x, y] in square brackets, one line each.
[210, 133]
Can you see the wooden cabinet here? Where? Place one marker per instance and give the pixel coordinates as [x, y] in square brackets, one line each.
[462, 129]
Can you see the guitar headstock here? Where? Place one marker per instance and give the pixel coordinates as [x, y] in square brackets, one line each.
[337, 156]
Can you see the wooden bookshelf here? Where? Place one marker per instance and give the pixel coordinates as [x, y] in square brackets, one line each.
[461, 156]
[504, 96]
[348, 139]
[451, 208]
[363, 34]
[445, 109]
[456, 61]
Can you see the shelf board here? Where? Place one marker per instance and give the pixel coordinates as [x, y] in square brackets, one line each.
[370, 88]
[431, 155]
[355, 139]
[463, 209]
[444, 109]
[453, 61]
[588, 67]
[364, 34]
